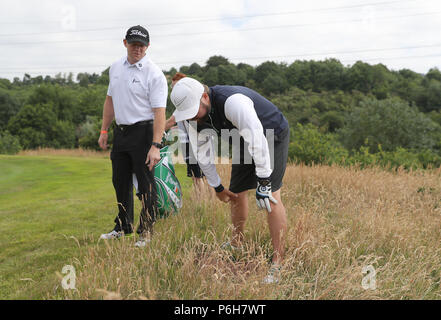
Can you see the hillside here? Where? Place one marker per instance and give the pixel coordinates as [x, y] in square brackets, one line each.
[345, 114]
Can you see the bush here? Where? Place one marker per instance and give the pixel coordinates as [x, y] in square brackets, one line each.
[428, 158]
[62, 135]
[310, 146]
[400, 157]
[391, 123]
[363, 158]
[9, 144]
[88, 133]
[9, 107]
[37, 126]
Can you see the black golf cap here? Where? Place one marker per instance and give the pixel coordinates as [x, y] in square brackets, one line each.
[138, 34]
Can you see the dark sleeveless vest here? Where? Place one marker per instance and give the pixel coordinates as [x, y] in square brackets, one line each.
[269, 115]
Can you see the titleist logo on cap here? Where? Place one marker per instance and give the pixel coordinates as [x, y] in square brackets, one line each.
[137, 33]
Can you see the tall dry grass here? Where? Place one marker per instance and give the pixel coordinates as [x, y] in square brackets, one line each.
[340, 220]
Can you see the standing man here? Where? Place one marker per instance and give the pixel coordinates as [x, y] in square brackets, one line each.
[235, 107]
[136, 99]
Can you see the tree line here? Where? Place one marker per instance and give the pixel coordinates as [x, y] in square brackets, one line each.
[361, 113]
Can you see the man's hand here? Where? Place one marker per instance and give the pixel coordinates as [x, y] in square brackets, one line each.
[226, 195]
[264, 195]
[170, 123]
[102, 141]
[153, 157]
[108, 115]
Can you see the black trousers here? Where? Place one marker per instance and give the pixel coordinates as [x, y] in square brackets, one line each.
[130, 147]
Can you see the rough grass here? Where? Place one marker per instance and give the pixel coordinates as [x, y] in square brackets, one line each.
[340, 220]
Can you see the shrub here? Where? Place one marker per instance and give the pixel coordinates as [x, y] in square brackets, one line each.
[88, 133]
[9, 144]
[400, 157]
[308, 145]
[391, 123]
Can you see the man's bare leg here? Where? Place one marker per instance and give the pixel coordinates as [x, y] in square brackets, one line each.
[276, 222]
[277, 225]
[239, 215]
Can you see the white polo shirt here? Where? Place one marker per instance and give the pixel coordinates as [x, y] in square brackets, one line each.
[136, 89]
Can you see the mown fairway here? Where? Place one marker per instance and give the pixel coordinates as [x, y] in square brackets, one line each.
[47, 204]
[53, 209]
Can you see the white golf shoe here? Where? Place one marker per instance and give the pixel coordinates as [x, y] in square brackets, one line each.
[141, 243]
[112, 235]
[273, 276]
[228, 246]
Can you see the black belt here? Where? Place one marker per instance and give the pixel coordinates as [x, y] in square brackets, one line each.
[136, 124]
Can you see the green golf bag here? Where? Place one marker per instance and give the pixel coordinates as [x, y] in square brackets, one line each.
[167, 185]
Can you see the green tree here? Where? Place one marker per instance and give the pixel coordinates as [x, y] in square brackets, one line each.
[184, 69]
[38, 126]
[216, 61]
[407, 85]
[390, 123]
[211, 76]
[195, 69]
[434, 74]
[5, 84]
[310, 146]
[9, 107]
[227, 74]
[366, 78]
[9, 144]
[266, 69]
[103, 79]
[171, 72]
[88, 133]
[90, 103]
[298, 74]
[83, 79]
[32, 125]
[409, 74]
[316, 75]
[62, 135]
[432, 100]
[247, 69]
[331, 121]
[63, 99]
[274, 84]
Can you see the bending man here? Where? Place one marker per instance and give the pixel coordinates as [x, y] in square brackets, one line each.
[252, 116]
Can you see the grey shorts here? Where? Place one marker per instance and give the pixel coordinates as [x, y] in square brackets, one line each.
[243, 176]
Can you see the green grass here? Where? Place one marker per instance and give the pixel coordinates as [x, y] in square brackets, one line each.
[45, 201]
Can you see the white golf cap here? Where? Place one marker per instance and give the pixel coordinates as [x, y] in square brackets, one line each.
[186, 96]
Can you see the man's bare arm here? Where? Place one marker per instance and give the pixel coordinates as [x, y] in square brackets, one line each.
[158, 124]
[158, 129]
[108, 115]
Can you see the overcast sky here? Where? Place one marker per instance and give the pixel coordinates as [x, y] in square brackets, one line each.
[46, 37]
